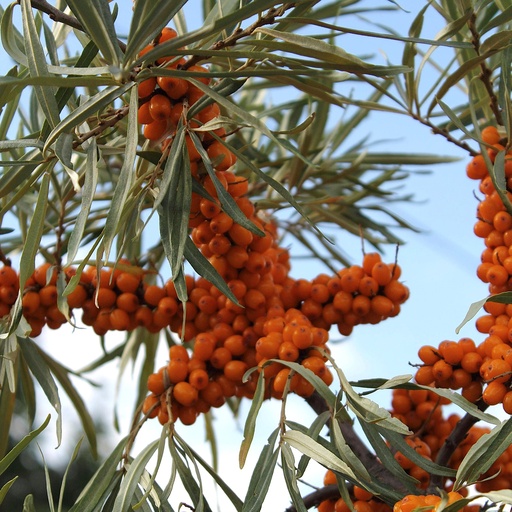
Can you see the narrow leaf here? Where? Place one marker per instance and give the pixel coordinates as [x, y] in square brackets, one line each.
[317, 452]
[37, 64]
[96, 18]
[21, 445]
[41, 372]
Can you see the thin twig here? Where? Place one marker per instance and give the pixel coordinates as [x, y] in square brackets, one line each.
[266, 19]
[112, 120]
[486, 73]
[61, 17]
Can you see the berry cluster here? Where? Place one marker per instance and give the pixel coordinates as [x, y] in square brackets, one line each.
[429, 502]
[164, 100]
[274, 316]
[483, 371]
[362, 500]
[422, 412]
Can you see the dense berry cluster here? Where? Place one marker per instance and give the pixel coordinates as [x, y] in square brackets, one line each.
[270, 316]
[483, 371]
[429, 502]
[362, 500]
[164, 100]
[422, 411]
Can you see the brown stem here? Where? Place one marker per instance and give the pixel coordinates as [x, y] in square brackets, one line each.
[266, 19]
[439, 131]
[370, 461]
[486, 73]
[112, 120]
[455, 438]
[61, 17]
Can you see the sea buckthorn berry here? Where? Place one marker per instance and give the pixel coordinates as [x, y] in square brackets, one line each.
[30, 302]
[160, 107]
[451, 352]
[144, 115]
[442, 370]
[369, 260]
[185, 393]
[494, 392]
[174, 87]
[221, 223]
[490, 135]
[473, 391]
[476, 168]
[497, 275]
[128, 301]
[471, 362]
[220, 156]
[496, 370]
[156, 382]
[177, 370]
[381, 305]
[120, 320]
[428, 354]
[199, 378]
[151, 406]
[424, 375]
[156, 130]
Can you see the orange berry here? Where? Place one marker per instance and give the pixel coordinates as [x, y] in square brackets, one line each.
[160, 107]
[451, 352]
[156, 382]
[490, 135]
[476, 168]
[494, 392]
[174, 87]
[151, 406]
[156, 130]
[185, 393]
[199, 378]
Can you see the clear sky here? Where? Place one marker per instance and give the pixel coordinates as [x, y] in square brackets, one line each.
[438, 265]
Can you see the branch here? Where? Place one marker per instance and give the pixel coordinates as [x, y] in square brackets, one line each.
[61, 17]
[266, 19]
[102, 125]
[456, 437]
[486, 73]
[370, 461]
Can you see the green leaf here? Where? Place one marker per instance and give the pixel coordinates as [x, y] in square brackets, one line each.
[319, 50]
[262, 475]
[12, 40]
[41, 371]
[5, 488]
[474, 308]
[317, 452]
[88, 108]
[37, 64]
[126, 179]
[148, 19]
[62, 375]
[191, 482]
[35, 230]
[99, 483]
[250, 422]
[28, 504]
[483, 453]
[88, 191]
[290, 477]
[346, 454]
[132, 478]
[96, 18]
[205, 269]
[8, 459]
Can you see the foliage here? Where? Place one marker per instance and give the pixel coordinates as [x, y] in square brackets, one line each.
[82, 187]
